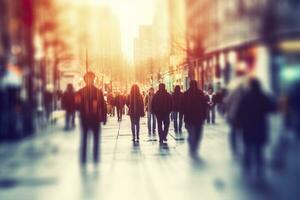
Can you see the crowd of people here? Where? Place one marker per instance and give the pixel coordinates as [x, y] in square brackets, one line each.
[246, 109]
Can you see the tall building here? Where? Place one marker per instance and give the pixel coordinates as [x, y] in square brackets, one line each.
[100, 36]
[143, 54]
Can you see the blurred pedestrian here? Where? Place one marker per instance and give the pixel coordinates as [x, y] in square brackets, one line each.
[162, 107]
[232, 103]
[135, 104]
[252, 113]
[151, 122]
[92, 108]
[194, 111]
[48, 102]
[68, 104]
[120, 102]
[177, 109]
[211, 111]
[111, 104]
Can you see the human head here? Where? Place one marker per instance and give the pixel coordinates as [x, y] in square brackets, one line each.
[151, 90]
[254, 85]
[135, 89]
[177, 89]
[161, 87]
[89, 78]
[193, 85]
[210, 90]
[70, 87]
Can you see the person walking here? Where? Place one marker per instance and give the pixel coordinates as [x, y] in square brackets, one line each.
[211, 100]
[136, 111]
[194, 112]
[119, 103]
[252, 114]
[177, 109]
[68, 104]
[162, 107]
[92, 108]
[232, 101]
[151, 118]
[111, 104]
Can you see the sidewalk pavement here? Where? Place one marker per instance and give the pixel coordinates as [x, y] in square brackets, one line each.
[46, 167]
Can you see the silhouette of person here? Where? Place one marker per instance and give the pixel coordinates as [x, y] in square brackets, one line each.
[68, 103]
[162, 107]
[151, 118]
[232, 103]
[252, 113]
[211, 100]
[177, 109]
[92, 108]
[120, 102]
[194, 112]
[135, 104]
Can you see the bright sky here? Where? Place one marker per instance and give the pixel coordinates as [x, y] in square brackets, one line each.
[131, 13]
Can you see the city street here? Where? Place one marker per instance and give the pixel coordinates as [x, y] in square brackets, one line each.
[46, 167]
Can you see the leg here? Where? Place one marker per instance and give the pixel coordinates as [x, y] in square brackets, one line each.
[259, 159]
[247, 164]
[84, 141]
[149, 115]
[166, 127]
[96, 134]
[191, 139]
[208, 116]
[180, 122]
[118, 113]
[213, 115]
[160, 130]
[137, 125]
[132, 128]
[73, 119]
[233, 140]
[67, 120]
[153, 123]
[175, 117]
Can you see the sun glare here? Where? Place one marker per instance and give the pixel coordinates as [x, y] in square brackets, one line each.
[131, 14]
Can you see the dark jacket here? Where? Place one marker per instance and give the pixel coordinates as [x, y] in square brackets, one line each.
[136, 106]
[252, 114]
[162, 103]
[148, 102]
[194, 107]
[68, 101]
[91, 105]
[120, 101]
[177, 101]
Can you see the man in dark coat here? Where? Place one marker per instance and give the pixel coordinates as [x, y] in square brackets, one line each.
[252, 113]
[151, 118]
[120, 102]
[177, 109]
[194, 111]
[162, 107]
[68, 103]
[92, 108]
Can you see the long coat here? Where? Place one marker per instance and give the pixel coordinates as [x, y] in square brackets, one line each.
[136, 106]
[252, 113]
[194, 107]
[177, 101]
[91, 105]
[162, 104]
